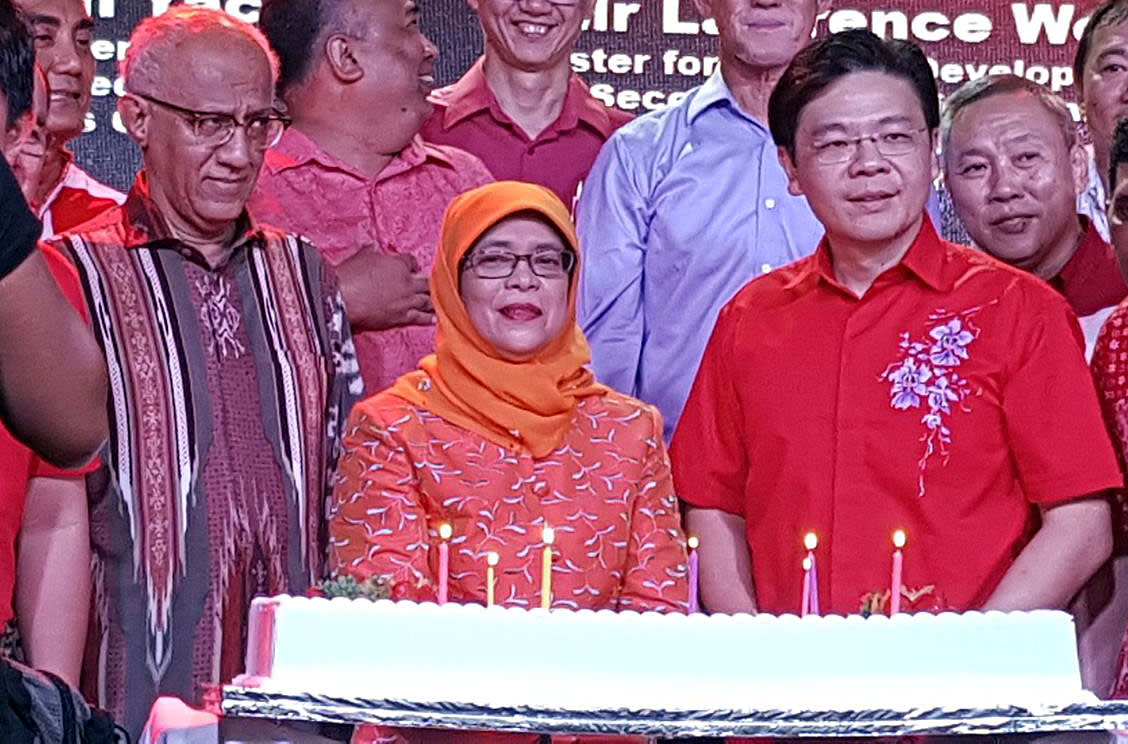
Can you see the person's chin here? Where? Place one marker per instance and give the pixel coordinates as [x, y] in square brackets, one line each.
[64, 130]
[878, 227]
[224, 211]
[769, 48]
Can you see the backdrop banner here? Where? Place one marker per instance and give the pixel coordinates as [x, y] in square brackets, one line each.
[640, 55]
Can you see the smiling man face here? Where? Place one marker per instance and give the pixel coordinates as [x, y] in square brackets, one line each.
[1014, 175]
[864, 159]
[64, 32]
[531, 35]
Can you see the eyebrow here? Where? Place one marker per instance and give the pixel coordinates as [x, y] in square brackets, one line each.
[838, 126]
[45, 20]
[86, 24]
[501, 243]
[1009, 139]
[1116, 51]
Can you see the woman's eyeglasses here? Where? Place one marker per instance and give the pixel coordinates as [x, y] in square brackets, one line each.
[502, 264]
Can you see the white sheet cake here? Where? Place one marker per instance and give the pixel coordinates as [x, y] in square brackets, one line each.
[588, 660]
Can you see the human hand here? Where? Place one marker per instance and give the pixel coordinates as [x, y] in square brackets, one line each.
[384, 291]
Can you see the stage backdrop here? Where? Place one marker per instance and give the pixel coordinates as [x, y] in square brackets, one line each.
[642, 54]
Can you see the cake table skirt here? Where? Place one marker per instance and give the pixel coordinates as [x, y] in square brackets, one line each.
[1097, 716]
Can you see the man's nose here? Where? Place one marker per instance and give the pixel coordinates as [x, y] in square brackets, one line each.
[239, 151]
[1005, 184]
[66, 59]
[867, 158]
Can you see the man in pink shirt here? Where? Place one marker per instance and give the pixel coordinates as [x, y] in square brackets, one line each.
[520, 108]
[353, 174]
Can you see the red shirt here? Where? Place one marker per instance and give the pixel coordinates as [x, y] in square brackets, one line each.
[303, 189]
[947, 401]
[467, 115]
[77, 198]
[1091, 279]
[18, 464]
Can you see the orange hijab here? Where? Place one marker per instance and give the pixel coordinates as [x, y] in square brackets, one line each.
[525, 405]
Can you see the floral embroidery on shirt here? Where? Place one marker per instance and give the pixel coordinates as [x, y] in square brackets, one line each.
[926, 376]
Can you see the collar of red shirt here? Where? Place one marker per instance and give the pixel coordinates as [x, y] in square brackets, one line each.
[296, 149]
[1091, 278]
[145, 226]
[471, 94]
[925, 260]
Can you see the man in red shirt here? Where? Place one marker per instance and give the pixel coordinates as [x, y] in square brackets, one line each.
[1014, 167]
[353, 175]
[889, 381]
[520, 108]
[44, 543]
[66, 196]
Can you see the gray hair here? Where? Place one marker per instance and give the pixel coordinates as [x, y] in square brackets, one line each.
[157, 37]
[993, 85]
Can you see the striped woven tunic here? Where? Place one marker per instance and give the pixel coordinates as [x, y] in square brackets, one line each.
[228, 389]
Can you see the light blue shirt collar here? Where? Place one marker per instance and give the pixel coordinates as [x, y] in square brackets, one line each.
[712, 92]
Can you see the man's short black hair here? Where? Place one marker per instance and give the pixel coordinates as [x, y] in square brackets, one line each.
[294, 28]
[1110, 13]
[17, 63]
[824, 61]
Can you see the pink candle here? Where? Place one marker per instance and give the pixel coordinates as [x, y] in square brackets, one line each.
[694, 572]
[805, 605]
[898, 570]
[444, 562]
[811, 541]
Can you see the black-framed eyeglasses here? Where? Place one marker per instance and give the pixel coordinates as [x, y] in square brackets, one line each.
[502, 264]
[890, 143]
[215, 129]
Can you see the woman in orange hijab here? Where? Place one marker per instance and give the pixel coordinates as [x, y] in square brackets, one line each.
[504, 432]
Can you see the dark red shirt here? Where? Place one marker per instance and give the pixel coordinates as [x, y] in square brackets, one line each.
[468, 116]
[1091, 279]
[18, 464]
[947, 401]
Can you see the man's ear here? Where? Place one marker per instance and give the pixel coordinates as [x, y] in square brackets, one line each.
[136, 118]
[473, 5]
[788, 164]
[342, 60]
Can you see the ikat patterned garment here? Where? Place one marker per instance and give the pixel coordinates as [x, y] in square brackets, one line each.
[228, 388]
[606, 492]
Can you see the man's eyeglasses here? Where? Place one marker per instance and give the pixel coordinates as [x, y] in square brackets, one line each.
[502, 264]
[891, 143]
[215, 129]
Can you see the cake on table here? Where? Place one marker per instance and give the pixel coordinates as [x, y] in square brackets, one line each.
[587, 661]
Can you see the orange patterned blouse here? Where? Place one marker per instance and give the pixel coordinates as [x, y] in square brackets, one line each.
[607, 492]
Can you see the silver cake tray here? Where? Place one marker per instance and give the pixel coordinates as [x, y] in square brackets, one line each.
[1092, 716]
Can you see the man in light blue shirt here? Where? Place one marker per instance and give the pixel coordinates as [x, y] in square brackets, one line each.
[686, 205]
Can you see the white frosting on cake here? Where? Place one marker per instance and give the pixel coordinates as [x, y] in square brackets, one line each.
[603, 660]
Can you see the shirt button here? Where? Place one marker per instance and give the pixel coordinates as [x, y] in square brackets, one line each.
[769, 203]
[765, 268]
